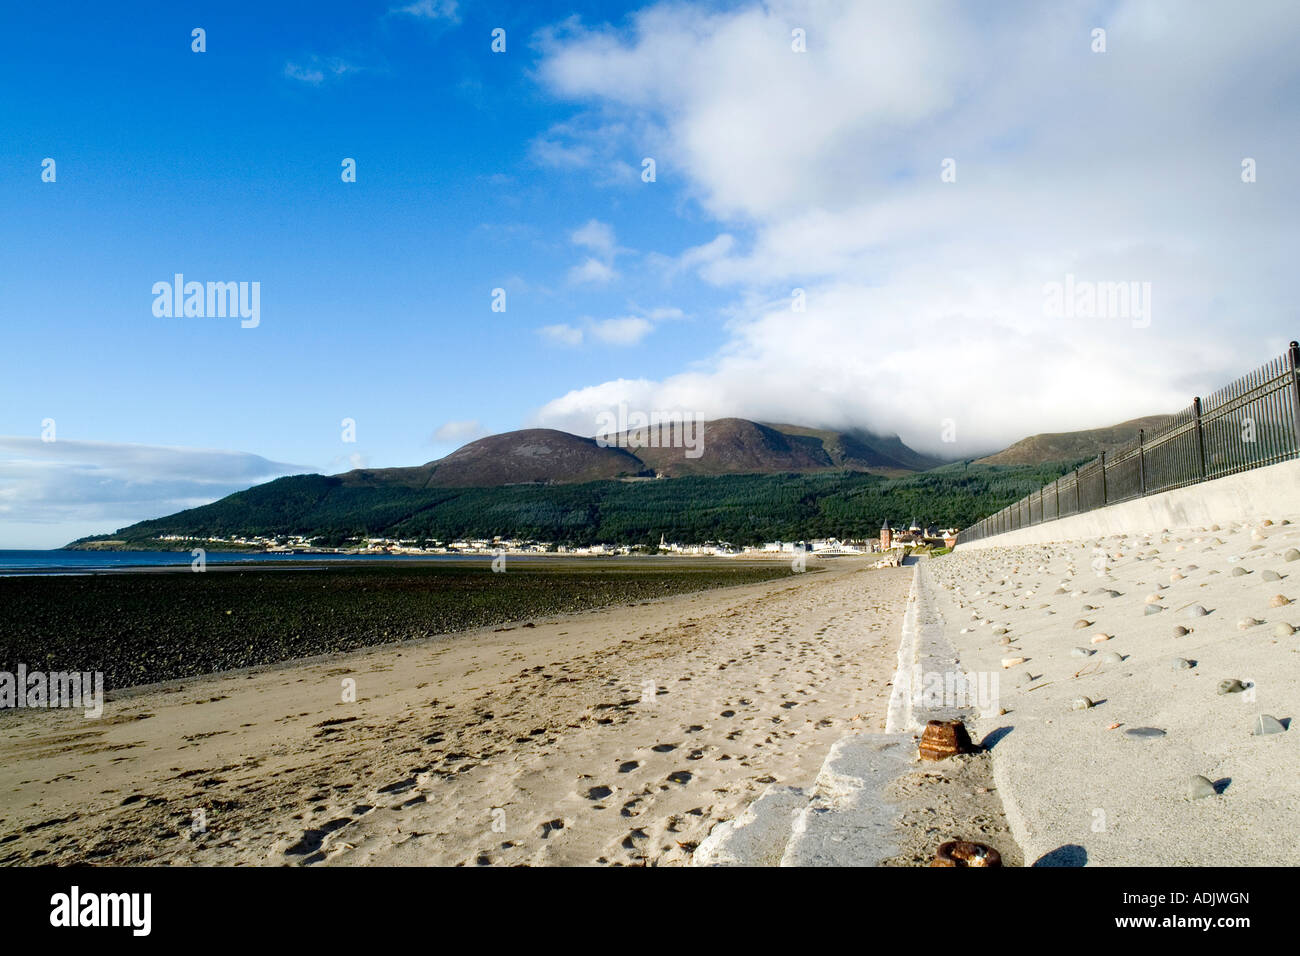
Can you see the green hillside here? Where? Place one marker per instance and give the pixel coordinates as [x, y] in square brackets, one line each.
[740, 509]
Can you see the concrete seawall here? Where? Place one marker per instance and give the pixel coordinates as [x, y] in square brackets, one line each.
[1246, 496]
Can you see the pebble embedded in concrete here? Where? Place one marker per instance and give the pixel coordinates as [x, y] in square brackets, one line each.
[1266, 724]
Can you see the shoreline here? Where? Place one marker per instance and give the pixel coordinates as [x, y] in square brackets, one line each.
[552, 725]
[172, 684]
[147, 627]
[270, 560]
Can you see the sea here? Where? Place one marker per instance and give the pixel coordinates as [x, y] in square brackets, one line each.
[59, 561]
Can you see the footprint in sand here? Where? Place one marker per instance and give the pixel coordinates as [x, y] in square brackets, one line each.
[312, 839]
[552, 826]
[598, 793]
[628, 766]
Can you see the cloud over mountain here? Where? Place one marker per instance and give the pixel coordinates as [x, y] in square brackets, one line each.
[924, 299]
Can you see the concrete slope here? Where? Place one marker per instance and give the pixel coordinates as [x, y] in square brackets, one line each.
[1114, 653]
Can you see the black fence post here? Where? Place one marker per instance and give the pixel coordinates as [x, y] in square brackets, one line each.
[1200, 436]
[1142, 462]
[1021, 514]
[1293, 354]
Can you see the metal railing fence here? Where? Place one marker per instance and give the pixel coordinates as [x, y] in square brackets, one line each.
[1249, 423]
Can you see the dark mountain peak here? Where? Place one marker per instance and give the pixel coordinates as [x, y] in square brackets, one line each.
[729, 446]
[860, 450]
[531, 455]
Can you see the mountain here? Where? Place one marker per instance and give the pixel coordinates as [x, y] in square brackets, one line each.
[549, 484]
[1071, 446]
[858, 450]
[339, 510]
[731, 446]
[531, 455]
[727, 446]
[737, 446]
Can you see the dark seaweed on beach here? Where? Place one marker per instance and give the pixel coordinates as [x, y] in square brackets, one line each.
[146, 627]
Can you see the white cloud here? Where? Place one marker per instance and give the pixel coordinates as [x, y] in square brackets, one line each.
[720, 247]
[592, 271]
[559, 155]
[561, 334]
[430, 10]
[625, 331]
[313, 76]
[319, 69]
[97, 487]
[459, 432]
[597, 236]
[924, 299]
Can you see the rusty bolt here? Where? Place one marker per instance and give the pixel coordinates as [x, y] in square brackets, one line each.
[943, 738]
[965, 853]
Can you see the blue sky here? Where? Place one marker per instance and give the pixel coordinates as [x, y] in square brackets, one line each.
[476, 170]
[376, 294]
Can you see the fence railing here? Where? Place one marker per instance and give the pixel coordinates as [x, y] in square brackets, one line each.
[1248, 424]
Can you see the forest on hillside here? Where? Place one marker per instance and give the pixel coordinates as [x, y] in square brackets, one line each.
[738, 509]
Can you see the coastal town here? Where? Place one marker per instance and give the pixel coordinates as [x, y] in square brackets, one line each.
[911, 535]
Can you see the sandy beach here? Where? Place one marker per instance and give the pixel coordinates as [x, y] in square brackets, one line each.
[620, 735]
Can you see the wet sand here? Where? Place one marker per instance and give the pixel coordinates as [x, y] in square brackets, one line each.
[620, 735]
